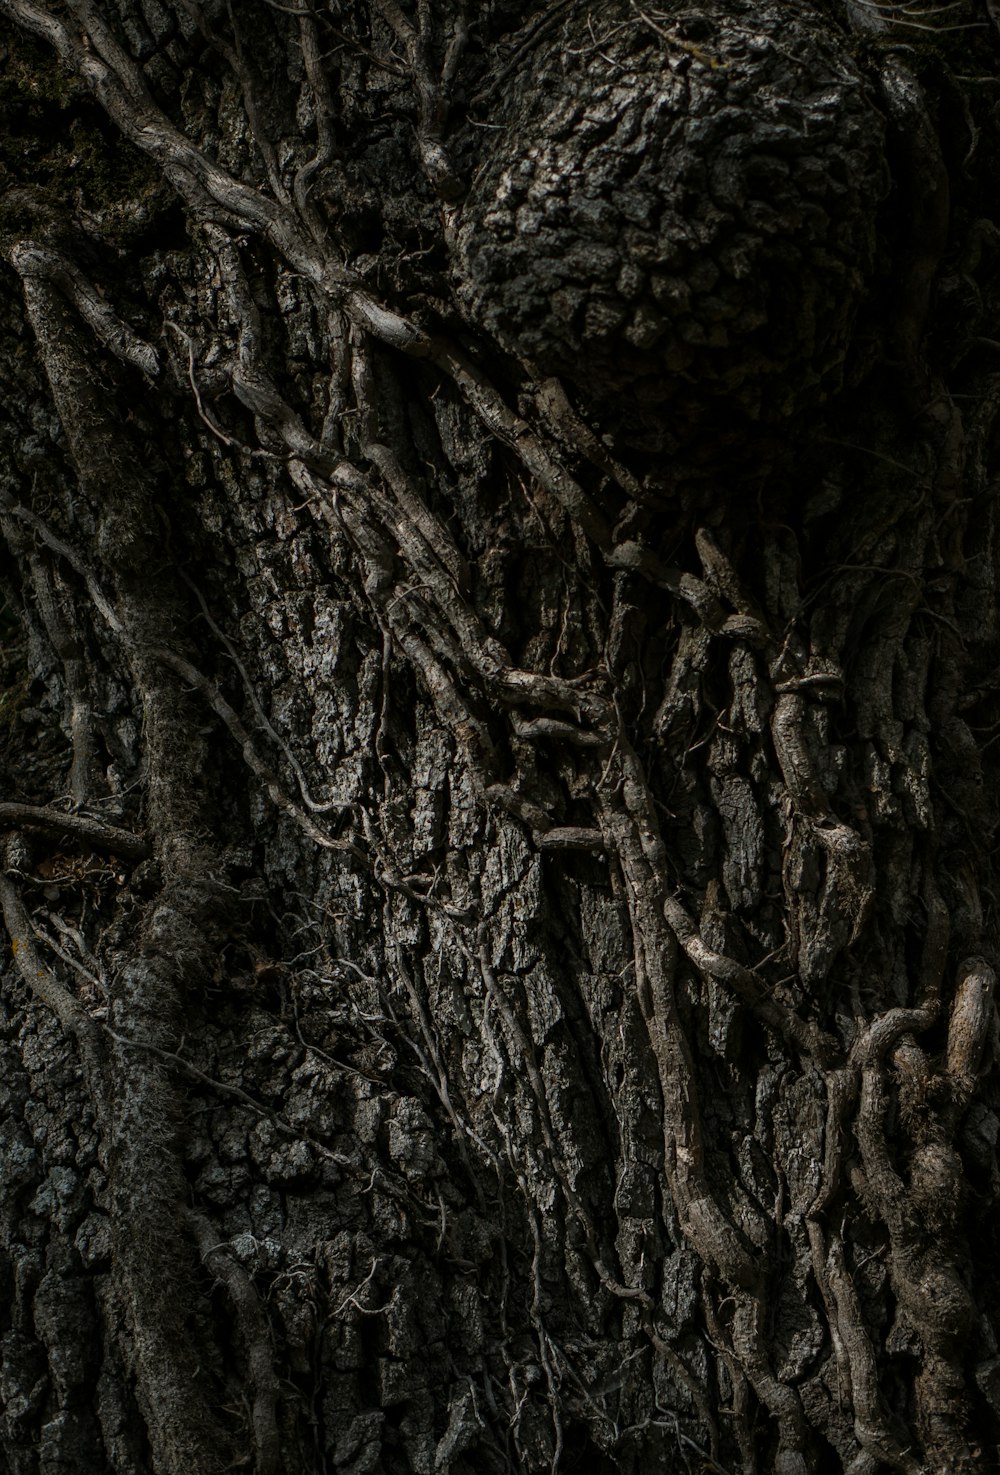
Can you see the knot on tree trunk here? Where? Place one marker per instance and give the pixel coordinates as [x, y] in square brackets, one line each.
[678, 218]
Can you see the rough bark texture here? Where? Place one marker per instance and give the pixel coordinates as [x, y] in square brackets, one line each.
[499, 737]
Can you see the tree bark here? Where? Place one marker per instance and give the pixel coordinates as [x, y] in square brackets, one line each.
[499, 695]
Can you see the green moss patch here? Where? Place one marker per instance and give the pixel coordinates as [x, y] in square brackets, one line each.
[54, 137]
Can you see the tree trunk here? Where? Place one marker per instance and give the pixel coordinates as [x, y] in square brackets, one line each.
[499, 699]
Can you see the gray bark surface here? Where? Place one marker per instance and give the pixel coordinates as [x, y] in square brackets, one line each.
[498, 701]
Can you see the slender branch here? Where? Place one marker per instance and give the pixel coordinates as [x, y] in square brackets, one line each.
[30, 259]
[82, 827]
